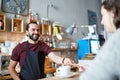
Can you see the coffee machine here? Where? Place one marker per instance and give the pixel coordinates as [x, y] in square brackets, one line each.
[4, 63]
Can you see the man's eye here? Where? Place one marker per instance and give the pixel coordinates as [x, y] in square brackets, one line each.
[33, 29]
[38, 30]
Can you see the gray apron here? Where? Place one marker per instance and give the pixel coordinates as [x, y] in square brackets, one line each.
[33, 67]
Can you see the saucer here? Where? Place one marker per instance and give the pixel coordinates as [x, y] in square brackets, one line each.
[67, 76]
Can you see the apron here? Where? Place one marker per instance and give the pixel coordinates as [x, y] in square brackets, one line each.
[33, 67]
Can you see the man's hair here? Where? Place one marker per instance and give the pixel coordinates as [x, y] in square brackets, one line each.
[1, 20]
[114, 6]
[28, 25]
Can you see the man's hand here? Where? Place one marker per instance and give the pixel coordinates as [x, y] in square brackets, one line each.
[80, 67]
[67, 62]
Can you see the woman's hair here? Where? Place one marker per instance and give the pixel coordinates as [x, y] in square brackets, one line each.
[28, 25]
[114, 6]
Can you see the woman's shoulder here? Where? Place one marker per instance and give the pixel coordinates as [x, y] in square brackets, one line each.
[117, 33]
[112, 43]
[115, 36]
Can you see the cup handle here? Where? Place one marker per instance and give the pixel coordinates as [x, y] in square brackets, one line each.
[58, 71]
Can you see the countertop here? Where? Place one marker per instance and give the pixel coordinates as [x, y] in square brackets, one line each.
[6, 77]
[75, 77]
[86, 62]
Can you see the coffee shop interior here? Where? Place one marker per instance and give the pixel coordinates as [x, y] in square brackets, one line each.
[70, 27]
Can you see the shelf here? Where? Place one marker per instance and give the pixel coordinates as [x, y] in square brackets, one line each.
[2, 22]
[46, 29]
[17, 25]
[63, 49]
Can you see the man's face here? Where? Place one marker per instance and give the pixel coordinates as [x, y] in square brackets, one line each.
[33, 32]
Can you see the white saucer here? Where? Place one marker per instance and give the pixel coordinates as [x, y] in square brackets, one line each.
[62, 76]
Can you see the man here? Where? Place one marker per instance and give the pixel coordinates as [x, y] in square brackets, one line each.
[31, 56]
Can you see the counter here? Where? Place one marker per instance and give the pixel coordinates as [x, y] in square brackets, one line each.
[75, 77]
[6, 77]
[86, 62]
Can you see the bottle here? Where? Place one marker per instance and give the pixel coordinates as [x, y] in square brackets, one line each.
[47, 40]
[51, 43]
[30, 14]
[18, 14]
[15, 27]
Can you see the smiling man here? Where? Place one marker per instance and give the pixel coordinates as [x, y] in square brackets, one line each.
[31, 56]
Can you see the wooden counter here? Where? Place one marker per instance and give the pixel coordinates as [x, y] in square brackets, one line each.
[75, 77]
[6, 77]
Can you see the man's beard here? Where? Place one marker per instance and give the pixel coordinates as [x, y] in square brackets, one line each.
[34, 37]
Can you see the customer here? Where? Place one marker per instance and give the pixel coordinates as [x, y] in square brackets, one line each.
[106, 65]
[31, 56]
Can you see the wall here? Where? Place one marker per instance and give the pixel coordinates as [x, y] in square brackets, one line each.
[16, 37]
[64, 11]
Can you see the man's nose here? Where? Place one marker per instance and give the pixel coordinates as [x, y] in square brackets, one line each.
[36, 31]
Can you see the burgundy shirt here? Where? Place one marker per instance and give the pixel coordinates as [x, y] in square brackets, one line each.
[19, 52]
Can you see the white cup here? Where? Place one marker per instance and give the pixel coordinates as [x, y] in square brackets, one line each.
[63, 70]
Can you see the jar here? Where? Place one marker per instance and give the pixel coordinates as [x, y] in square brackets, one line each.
[73, 45]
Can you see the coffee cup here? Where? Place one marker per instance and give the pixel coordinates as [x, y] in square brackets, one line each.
[63, 70]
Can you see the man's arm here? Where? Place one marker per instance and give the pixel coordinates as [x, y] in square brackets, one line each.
[60, 60]
[55, 58]
[12, 70]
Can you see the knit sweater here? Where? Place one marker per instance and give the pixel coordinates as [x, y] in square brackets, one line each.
[106, 65]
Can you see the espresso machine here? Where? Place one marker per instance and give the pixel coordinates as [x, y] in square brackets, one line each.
[4, 63]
